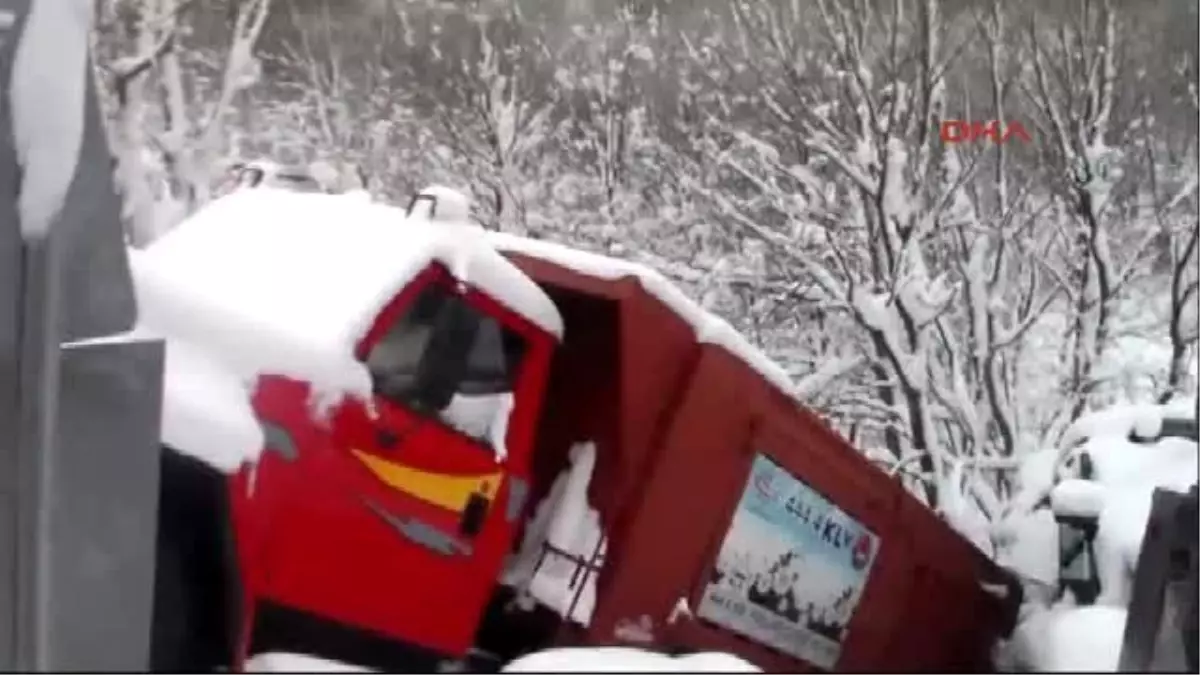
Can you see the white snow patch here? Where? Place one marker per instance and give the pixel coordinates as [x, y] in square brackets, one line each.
[962, 513]
[1189, 319]
[710, 329]
[282, 662]
[681, 610]
[48, 99]
[484, 417]
[1181, 406]
[1062, 638]
[205, 410]
[323, 265]
[626, 660]
[1114, 421]
[1030, 546]
[1127, 474]
[110, 339]
[1071, 639]
[1035, 477]
[1074, 497]
[565, 521]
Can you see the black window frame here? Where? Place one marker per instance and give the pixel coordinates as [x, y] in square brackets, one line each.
[515, 349]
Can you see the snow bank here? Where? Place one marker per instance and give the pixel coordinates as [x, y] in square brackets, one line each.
[710, 329]
[626, 660]
[564, 520]
[281, 662]
[1181, 406]
[1117, 421]
[1120, 493]
[1126, 475]
[1071, 639]
[268, 281]
[1074, 497]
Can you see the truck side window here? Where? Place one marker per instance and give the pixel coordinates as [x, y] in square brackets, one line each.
[492, 363]
[394, 360]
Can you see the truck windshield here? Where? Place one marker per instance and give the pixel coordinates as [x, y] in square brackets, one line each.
[492, 361]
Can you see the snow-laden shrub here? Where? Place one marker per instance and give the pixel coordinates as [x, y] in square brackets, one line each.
[1116, 488]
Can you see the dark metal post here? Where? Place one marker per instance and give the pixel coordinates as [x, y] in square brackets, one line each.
[78, 438]
[12, 15]
[1160, 631]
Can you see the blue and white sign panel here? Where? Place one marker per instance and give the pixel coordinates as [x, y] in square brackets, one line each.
[791, 569]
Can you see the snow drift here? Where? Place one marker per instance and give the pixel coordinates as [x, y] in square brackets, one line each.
[1128, 464]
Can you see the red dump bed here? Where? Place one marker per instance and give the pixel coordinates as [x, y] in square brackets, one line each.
[679, 425]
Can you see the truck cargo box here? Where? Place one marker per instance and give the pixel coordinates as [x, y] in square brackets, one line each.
[709, 475]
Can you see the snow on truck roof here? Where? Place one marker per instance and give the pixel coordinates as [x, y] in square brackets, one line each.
[275, 281]
[321, 265]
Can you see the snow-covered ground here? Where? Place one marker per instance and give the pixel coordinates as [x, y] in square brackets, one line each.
[565, 660]
[282, 662]
[626, 660]
[1054, 633]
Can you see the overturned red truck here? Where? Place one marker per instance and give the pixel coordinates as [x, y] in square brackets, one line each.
[394, 439]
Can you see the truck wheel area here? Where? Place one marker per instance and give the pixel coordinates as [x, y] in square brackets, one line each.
[505, 634]
[195, 585]
[283, 629]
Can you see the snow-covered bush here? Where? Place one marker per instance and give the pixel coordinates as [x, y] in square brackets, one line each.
[1107, 469]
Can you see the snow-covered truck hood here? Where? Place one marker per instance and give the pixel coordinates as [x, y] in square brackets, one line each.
[270, 281]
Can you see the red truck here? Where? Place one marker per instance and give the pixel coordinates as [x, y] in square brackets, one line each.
[539, 447]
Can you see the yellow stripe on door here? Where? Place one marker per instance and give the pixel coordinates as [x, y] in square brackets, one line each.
[445, 490]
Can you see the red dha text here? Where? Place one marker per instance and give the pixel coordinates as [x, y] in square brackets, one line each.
[961, 131]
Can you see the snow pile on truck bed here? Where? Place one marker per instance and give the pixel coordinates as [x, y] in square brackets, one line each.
[1061, 637]
[268, 281]
[709, 328]
[565, 521]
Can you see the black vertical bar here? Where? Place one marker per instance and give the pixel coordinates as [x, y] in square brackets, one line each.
[37, 412]
[12, 17]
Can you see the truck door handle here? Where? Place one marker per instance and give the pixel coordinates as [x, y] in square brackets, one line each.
[386, 439]
[474, 515]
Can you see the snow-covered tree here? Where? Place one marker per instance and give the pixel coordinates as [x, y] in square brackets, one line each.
[169, 102]
[857, 198]
[1084, 118]
[949, 307]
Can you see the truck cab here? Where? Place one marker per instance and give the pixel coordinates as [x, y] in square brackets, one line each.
[428, 476]
[389, 512]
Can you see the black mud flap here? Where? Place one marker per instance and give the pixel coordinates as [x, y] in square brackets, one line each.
[197, 594]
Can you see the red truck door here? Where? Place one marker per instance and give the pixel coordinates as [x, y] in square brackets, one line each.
[396, 515]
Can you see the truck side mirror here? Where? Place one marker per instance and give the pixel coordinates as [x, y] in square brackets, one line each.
[445, 361]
